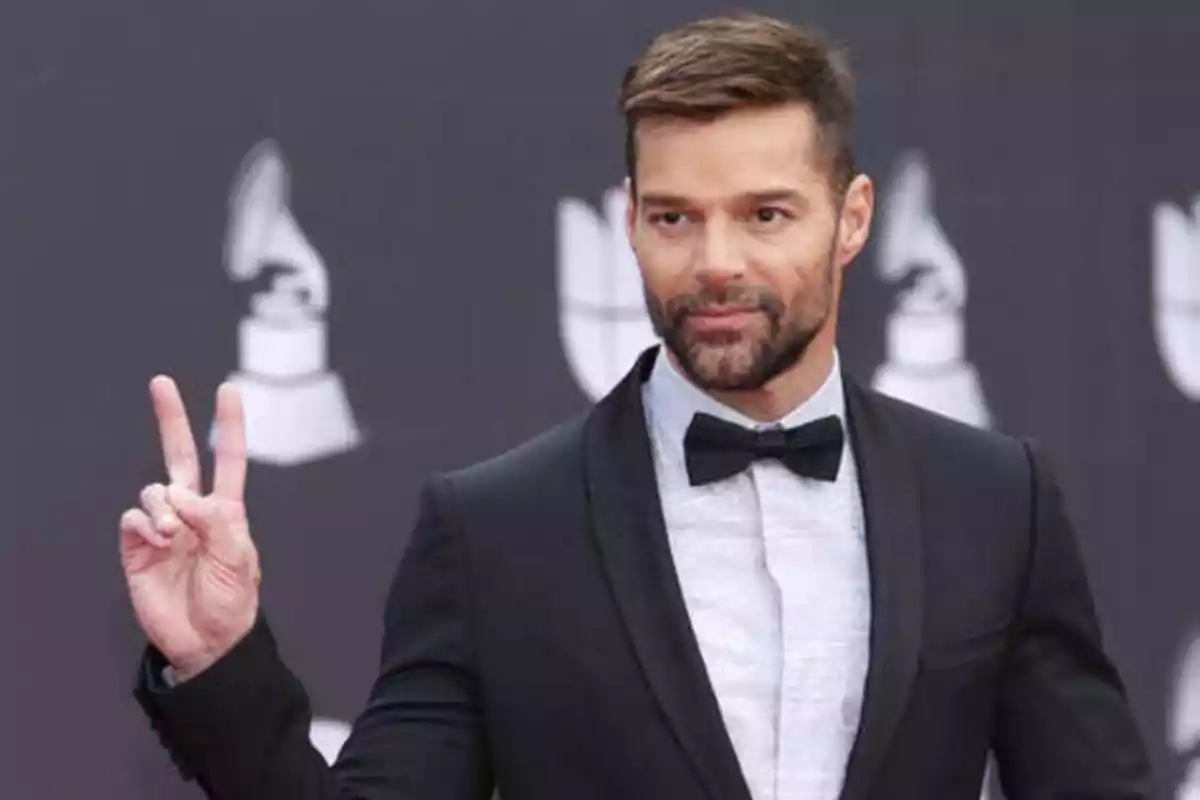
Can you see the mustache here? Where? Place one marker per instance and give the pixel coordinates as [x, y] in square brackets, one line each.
[748, 298]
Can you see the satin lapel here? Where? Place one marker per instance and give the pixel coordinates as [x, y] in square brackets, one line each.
[628, 527]
[890, 505]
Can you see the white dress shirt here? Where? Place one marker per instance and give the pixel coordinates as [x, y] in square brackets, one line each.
[773, 569]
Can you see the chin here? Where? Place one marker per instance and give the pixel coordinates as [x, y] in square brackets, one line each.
[722, 366]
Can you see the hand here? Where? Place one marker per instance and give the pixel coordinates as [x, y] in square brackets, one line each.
[189, 562]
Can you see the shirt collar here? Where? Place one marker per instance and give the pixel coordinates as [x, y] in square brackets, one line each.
[672, 400]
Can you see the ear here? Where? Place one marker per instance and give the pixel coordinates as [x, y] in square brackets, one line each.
[854, 224]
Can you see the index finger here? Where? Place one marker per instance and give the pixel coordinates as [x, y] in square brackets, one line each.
[178, 444]
[229, 447]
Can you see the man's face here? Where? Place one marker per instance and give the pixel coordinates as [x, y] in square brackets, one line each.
[740, 241]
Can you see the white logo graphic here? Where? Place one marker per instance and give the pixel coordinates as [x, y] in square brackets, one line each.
[296, 410]
[991, 782]
[328, 736]
[925, 361]
[1183, 719]
[602, 308]
[1177, 293]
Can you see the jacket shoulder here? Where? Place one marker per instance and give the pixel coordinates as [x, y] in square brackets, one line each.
[537, 465]
[953, 445]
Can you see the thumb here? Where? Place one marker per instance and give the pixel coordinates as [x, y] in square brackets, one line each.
[222, 535]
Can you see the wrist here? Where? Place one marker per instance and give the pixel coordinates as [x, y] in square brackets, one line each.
[188, 666]
[184, 669]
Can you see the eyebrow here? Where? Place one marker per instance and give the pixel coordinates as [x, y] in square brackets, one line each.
[666, 200]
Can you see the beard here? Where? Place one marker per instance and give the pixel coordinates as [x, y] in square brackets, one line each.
[747, 359]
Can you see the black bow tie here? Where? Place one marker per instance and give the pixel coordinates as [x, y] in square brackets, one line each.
[717, 449]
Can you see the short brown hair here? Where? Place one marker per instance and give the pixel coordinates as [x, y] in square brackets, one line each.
[715, 65]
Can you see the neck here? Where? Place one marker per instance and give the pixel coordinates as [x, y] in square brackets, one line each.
[786, 391]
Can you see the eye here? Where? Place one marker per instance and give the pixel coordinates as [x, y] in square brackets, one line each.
[668, 219]
[769, 214]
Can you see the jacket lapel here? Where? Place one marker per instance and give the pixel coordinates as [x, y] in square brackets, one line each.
[628, 527]
[889, 489]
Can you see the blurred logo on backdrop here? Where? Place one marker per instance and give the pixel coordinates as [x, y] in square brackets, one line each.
[991, 782]
[328, 736]
[1176, 294]
[925, 360]
[1183, 719]
[296, 408]
[603, 322]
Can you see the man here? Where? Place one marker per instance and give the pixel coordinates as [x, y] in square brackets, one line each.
[741, 576]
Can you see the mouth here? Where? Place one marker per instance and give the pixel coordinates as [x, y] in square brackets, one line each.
[722, 311]
[721, 319]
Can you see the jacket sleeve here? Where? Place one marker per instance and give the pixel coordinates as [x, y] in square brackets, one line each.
[240, 728]
[1064, 725]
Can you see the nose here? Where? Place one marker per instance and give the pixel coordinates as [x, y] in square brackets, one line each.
[718, 259]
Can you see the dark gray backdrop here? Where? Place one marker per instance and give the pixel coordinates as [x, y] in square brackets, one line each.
[428, 145]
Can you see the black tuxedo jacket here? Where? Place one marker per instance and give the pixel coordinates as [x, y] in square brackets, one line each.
[536, 639]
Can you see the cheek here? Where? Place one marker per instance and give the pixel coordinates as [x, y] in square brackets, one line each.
[791, 268]
[664, 266]
[797, 279]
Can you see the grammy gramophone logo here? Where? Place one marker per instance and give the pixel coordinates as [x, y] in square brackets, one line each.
[296, 408]
[603, 321]
[926, 362]
[1183, 718]
[1176, 293]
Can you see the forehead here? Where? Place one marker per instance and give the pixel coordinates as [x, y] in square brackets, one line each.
[737, 152]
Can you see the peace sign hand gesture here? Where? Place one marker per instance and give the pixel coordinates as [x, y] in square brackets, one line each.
[190, 564]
